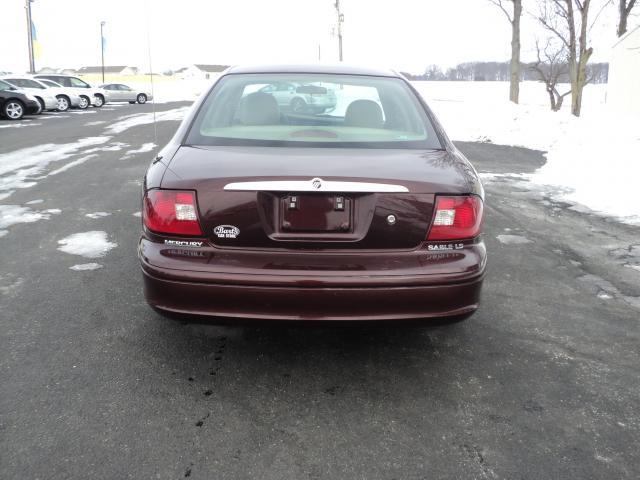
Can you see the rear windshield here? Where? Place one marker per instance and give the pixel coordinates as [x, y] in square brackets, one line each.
[312, 110]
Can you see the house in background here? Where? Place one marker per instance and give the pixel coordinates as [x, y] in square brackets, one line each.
[47, 70]
[61, 71]
[109, 70]
[200, 72]
[623, 90]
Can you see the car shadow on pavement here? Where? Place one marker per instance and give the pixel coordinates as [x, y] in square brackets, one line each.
[363, 359]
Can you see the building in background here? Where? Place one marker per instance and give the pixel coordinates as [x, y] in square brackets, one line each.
[623, 91]
[109, 70]
[200, 72]
[62, 71]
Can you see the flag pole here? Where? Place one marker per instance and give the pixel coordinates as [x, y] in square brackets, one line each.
[102, 47]
[32, 63]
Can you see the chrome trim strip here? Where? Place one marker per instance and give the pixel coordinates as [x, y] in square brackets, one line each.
[316, 185]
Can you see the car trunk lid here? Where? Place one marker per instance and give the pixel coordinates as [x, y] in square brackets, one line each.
[314, 198]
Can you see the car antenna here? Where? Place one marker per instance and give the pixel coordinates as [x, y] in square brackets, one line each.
[153, 95]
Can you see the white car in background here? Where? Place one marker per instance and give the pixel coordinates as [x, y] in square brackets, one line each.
[67, 97]
[90, 95]
[46, 96]
[117, 92]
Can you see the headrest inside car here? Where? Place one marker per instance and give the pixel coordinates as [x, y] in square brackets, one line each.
[364, 113]
[259, 108]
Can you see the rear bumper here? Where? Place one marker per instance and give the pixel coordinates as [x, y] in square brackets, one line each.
[291, 303]
[310, 297]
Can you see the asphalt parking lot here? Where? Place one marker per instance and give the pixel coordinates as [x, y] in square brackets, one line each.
[542, 383]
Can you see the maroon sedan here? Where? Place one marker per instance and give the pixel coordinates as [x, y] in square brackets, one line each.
[364, 210]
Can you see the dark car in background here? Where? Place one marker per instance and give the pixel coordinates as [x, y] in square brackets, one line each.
[367, 212]
[15, 103]
[43, 94]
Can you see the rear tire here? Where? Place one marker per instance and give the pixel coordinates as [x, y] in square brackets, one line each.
[42, 105]
[99, 101]
[142, 98]
[298, 105]
[63, 103]
[84, 102]
[13, 109]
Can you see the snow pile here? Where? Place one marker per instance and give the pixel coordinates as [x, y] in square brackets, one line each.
[92, 244]
[598, 158]
[593, 160]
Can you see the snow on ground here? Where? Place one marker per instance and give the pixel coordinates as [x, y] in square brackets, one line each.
[14, 214]
[91, 244]
[513, 239]
[75, 163]
[593, 160]
[128, 121]
[85, 266]
[18, 168]
[96, 215]
[146, 147]
[15, 124]
[114, 147]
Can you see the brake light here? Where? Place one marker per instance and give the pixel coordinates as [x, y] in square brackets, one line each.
[171, 211]
[456, 218]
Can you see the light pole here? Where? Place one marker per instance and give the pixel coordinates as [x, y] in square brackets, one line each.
[102, 47]
[32, 63]
[340, 20]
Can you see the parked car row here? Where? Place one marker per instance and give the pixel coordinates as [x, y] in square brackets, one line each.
[32, 94]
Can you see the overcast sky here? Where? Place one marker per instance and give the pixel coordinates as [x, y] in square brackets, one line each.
[403, 34]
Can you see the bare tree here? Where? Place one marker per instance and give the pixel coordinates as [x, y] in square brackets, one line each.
[552, 67]
[624, 10]
[568, 20]
[514, 20]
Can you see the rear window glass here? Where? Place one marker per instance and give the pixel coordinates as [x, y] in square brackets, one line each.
[312, 110]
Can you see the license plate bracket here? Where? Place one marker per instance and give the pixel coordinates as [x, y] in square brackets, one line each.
[316, 213]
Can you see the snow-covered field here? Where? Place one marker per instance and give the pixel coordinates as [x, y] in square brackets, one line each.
[593, 161]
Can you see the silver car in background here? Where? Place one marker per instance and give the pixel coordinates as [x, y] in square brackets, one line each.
[48, 97]
[92, 96]
[118, 92]
[302, 98]
[67, 97]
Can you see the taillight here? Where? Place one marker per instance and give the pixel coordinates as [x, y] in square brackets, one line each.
[171, 211]
[456, 218]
